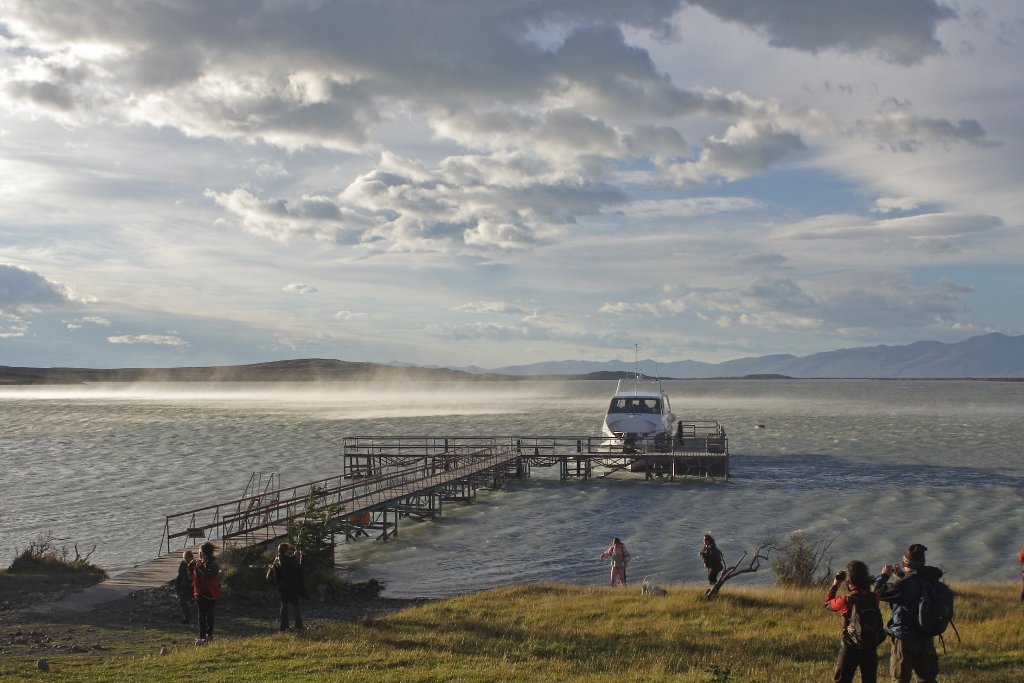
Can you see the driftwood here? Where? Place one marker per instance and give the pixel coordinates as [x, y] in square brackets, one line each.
[760, 555]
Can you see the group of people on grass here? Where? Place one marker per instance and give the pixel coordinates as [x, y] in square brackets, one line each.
[901, 585]
[199, 580]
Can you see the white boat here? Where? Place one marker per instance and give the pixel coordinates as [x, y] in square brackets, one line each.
[640, 416]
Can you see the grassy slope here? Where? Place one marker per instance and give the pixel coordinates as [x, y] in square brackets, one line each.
[558, 632]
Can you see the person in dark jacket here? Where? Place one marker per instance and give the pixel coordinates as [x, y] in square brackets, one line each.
[913, 652]
[183, 586]
[712, 558]
[287, 576]
[858, 586]
[205, 573]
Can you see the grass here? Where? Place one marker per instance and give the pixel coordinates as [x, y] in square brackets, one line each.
[562, 633]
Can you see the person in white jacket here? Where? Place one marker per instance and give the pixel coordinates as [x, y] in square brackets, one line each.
[620, 558]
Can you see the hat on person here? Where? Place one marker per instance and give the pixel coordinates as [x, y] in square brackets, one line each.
[915, 555]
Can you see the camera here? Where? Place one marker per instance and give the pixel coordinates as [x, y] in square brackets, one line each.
[841, 576]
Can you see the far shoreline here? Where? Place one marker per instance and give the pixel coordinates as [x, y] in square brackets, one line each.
[325, 371]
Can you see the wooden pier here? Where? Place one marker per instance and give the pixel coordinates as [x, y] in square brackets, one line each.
[387, 478]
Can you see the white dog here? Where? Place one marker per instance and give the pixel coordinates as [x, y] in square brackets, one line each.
[649, 588]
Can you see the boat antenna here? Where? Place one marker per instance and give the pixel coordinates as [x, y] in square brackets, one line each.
[636, 368]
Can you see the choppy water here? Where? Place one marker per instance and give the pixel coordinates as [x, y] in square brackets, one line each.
[879, 464]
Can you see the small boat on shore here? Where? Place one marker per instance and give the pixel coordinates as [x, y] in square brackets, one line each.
[640, 415]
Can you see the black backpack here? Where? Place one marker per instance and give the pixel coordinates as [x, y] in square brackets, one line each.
[935, 609]
[864, 630]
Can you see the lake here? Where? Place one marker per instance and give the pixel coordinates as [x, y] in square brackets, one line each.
[875, 464]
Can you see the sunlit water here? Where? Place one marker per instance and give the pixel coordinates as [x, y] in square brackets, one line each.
[877, 464]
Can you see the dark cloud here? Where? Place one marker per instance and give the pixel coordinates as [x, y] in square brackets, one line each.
[24, 287]
[902, 132]
[45, 94]
[903, 32]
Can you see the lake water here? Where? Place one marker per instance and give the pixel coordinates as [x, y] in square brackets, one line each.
[877, 464]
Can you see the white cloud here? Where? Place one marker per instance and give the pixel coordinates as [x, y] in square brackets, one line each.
[155, 339]
[503, 307]
[919, 226]
[78, 323]
[658, 309]
[299, 288]
[12, 326]
[747, 148]
[348, 316]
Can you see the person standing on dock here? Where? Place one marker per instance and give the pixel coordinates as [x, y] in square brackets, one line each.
[712, 558]
[205, 573]
[620, 558]
[286, 575]
[183, 586]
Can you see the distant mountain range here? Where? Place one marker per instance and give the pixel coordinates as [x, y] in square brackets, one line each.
[987, 356]
[990, 355]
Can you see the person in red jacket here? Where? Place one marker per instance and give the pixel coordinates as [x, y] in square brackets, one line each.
[854, 655]
[1020, 558]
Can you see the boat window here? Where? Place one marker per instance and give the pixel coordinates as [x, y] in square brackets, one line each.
[635, 405]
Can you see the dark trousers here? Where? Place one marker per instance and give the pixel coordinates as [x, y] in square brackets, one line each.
[914, 657]
[184, 600]
[205, 607]
[713, 575]
[850, 659]
[292, 602]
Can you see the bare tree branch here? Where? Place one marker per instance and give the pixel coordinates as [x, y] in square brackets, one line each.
[762, 554]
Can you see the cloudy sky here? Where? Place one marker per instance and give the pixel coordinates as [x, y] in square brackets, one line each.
[460, 182]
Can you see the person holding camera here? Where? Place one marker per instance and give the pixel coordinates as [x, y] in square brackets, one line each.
[913, 650]
[862, 624]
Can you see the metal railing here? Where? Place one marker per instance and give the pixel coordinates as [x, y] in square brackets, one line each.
[265, 515]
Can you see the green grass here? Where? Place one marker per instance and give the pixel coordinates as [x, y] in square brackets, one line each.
[562, 633]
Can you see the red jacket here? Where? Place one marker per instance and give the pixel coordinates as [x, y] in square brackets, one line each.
[1020, 558]
[842, 604]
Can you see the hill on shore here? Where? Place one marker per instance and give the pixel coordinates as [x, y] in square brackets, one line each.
[988, 356]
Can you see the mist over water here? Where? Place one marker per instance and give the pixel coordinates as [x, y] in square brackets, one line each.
[879, 464]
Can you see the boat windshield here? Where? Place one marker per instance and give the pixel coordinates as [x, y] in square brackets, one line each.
[635, 405]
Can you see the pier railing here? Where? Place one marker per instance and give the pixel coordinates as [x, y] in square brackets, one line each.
[264, 516]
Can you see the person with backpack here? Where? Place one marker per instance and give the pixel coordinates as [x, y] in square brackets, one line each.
[712, 558]
[922, 607]
[183, 586]
[205, 573]
[863, 631]
[620, 558]
[286, 575]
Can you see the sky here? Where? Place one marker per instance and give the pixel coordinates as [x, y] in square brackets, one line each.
[475, 182]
